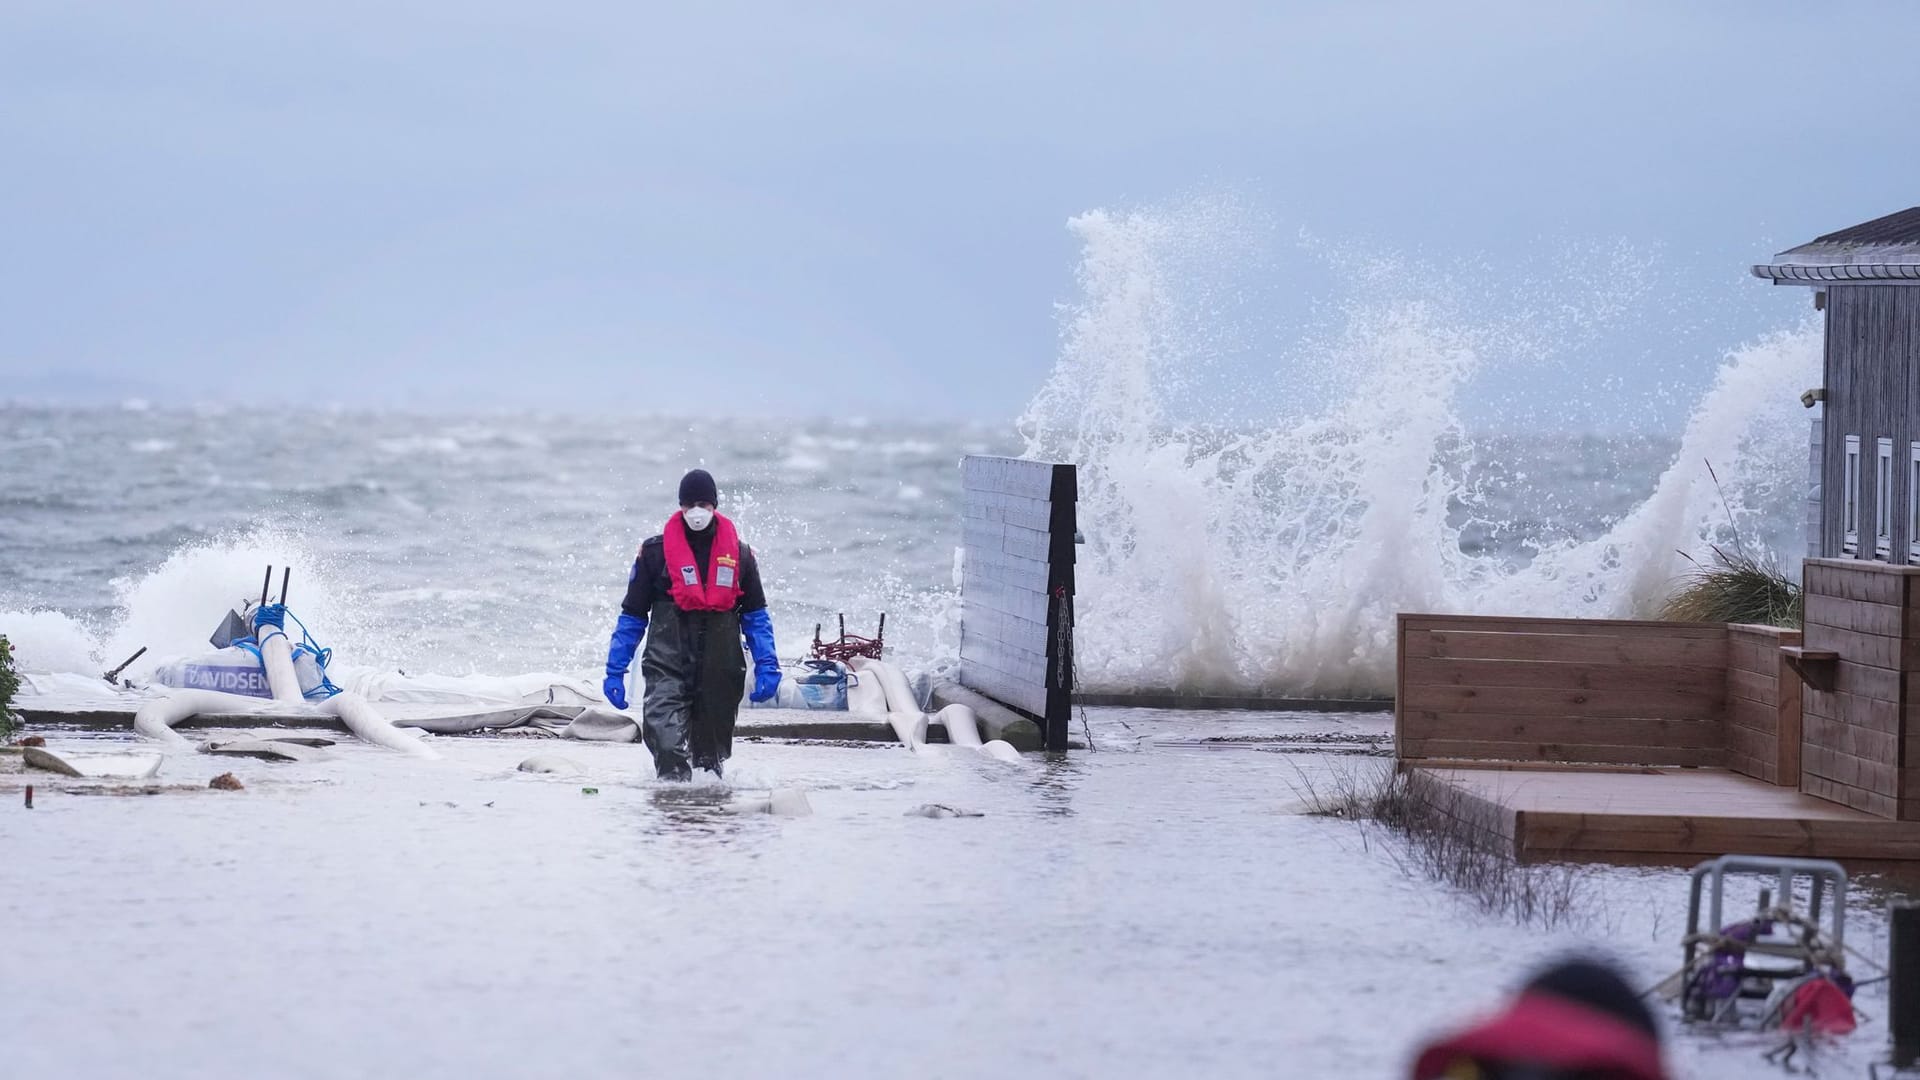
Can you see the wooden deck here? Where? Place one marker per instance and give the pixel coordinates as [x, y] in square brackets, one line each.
[1657, 814]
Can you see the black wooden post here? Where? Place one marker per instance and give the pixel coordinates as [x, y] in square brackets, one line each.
[1063, 523]
[1017, 588]
[1903, 994]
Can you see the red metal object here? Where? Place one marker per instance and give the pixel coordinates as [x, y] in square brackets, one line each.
[850, 645]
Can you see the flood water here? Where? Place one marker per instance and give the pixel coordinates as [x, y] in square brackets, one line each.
[1155, 907]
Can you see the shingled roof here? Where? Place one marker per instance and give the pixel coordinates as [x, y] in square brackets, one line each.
[1884, 249]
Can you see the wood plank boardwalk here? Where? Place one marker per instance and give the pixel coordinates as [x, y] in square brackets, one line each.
[1635, 815]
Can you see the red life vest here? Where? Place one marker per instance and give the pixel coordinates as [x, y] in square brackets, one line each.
[716, 590]
[1542, 1028]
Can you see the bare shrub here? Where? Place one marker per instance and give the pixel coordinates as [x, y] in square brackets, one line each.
[1433, 830]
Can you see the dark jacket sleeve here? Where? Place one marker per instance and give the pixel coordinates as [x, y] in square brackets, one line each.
[752, 596]
[643, 585]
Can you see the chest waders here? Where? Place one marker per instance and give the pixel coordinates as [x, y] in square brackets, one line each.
[695, 675]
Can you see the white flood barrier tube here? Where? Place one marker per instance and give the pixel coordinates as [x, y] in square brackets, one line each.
[1000, 750]
[361, 718]
[276, 655]
[963, 727]
[366, 723]
[863, 693]
[902, 710]
[155, 719]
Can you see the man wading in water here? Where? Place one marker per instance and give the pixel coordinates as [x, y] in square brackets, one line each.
[697, 587]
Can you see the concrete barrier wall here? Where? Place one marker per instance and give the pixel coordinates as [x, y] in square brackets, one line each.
[1016, 587]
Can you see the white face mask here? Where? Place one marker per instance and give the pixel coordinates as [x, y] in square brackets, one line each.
[697, 518]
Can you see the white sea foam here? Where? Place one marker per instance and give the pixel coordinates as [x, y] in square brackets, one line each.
[49, 641]
[172, 609]
[1275, 554]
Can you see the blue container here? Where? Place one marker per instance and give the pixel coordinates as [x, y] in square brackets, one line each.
[823, 684]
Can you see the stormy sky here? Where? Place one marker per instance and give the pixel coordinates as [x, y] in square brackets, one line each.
[861, 207]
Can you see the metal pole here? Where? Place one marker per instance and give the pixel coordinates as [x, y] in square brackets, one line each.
[1903, 978]
[1693, 912]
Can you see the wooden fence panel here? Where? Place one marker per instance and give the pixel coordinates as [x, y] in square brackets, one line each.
[1565, 690]
[1763, 705]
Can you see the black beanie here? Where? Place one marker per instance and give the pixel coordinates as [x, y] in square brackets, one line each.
[1595, 985]
[698, 487]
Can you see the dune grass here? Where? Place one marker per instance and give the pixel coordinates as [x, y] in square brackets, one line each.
[1736, 588]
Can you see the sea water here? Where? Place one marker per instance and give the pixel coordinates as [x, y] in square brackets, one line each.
[1247, 528]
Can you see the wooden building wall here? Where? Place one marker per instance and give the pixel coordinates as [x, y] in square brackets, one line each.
[1873, 334]
[1857, 738]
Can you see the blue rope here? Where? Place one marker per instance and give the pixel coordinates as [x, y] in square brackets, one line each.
[275, 616]
[321, 657]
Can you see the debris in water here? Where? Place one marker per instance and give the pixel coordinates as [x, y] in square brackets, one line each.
[96, 766]
[936, 810]
[264, 750]
[40, 759]
[589, 791]
[226, 781]
[32, 740]
[552, 763]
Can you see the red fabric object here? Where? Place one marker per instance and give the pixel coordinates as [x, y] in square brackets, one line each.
[1818, 1007]
[1549, 1030]
[718, 589]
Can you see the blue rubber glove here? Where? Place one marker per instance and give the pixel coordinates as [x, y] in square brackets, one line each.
[625, 642]
[757, 628]
[615, 688]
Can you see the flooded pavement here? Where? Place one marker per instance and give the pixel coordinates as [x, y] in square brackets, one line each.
[1158, 906]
